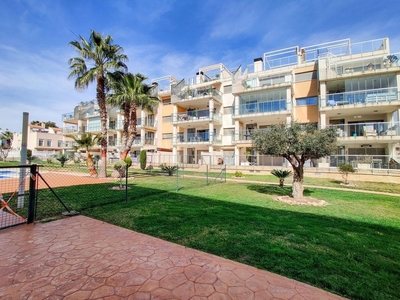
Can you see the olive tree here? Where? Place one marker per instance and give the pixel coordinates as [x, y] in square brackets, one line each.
[297, 143]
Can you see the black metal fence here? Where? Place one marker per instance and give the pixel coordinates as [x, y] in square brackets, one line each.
[17, 195]
[46, 192]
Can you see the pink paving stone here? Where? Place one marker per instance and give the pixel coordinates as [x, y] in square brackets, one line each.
[82, 258]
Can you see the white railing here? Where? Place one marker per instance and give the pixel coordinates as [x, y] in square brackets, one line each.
[367, 129]
[361, 97]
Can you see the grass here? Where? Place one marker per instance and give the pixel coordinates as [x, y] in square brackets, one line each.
[350, 247]
[325, 182]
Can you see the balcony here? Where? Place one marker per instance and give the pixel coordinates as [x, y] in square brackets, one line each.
[244, 136]
[362, 66]
[195, 116]
[365, 162]
[254, 84]
[377, 131]
[69, 118]
[198, 138]
[261, 108]
[200, 96]
[365, 97]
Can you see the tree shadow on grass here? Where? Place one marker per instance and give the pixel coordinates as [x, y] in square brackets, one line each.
[275, 190]
[326, 251]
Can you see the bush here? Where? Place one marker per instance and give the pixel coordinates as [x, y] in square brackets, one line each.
[345, 169]
[281, 174]
[238, 174]
[49, 160]
[120, 167]
[170, 170]
[149, 168]
[128, 161]
[143, 159]
[62, 159]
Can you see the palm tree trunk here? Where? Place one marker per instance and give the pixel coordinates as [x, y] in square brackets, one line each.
[90, 164]
[131, 133]
[101, 100]
[125, 131]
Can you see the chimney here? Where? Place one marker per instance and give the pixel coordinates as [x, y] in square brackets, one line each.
[199, 77]
[258, 64]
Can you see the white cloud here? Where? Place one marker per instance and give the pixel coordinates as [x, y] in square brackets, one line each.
[36, 83]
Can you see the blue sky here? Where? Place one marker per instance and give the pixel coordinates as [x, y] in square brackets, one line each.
[161, 38]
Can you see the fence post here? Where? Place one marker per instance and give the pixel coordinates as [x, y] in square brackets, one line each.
[207, 173]
[32, 193]
[126, 183]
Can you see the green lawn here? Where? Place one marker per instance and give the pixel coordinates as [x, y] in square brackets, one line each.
[350, 247]
[326, 182]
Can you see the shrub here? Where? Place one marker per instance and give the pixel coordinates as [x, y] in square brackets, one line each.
[345, 169]
[143, 159]
[238, 174]
[128, 161]
[149, 168]
[281, 174]
[49, 160]
[170, 170]
[29, 156]
[120, 167]
[62, 159]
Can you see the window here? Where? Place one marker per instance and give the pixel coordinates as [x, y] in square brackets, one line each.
[41, 143]
[308, 101]
[306, 76]
[167, 136]
[48, 143]
[59, 143]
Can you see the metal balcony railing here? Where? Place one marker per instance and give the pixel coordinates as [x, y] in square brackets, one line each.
[189, 94]
[274, 106]
[195, 115]
[67, 116]
[365, 161]
[361, 97]
[375, 64]
[367, 129]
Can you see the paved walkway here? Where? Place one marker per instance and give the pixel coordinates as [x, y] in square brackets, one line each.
[82, 258]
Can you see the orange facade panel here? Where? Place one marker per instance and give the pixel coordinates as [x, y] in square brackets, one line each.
[306, 89]
[306, 114]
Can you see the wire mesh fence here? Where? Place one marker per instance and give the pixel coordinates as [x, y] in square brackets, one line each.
[14, 195]
[49, 191]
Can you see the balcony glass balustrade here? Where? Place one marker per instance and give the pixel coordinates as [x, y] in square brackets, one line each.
[367, 129]
[361, 97]
[256, 107]
[189, 94]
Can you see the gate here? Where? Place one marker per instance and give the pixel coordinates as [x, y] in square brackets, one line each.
[17, 195]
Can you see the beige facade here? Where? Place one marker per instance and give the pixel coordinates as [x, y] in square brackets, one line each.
[209, 119]
[44, 142]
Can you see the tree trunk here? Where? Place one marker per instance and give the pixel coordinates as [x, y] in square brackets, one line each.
[131, 132]
[281, 182]
[125, 131]
[101, 100]
[90, 164]
[297, 186]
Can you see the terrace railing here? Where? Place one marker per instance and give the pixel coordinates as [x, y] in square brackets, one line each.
[367, 129]
[274, 106]
[361, 97]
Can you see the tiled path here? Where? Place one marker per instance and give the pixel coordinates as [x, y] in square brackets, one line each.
[82, 258]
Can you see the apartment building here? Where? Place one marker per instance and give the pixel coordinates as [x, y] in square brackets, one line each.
[209, 119]
[44, 142]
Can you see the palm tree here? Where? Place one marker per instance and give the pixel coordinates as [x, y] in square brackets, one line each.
[130, 92]
[87, 141]
[281, 174]
[98, 58]
[6, 140]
